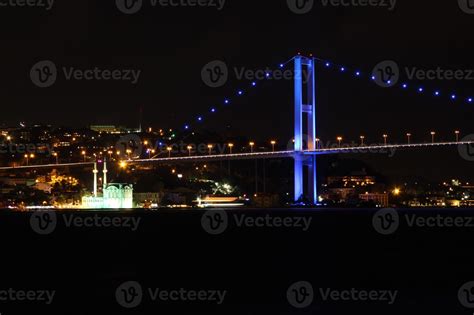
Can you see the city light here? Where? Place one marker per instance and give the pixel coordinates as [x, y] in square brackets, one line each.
[273, 143]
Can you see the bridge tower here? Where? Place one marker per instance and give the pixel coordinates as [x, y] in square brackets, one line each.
[305, 129]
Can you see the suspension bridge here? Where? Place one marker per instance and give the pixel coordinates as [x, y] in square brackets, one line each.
[306, 144]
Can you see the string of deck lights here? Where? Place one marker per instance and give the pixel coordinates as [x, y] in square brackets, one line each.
[342, 69]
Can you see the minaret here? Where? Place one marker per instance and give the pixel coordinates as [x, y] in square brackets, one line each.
[105, 173]
[95, 171]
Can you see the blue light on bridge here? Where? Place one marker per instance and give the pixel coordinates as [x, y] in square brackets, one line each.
[240, 92]
[437, 93]
[453, 97]
[405, 85]
[469, 100]
[226, 102]
[254, 83]
[420, 90]
[213, 110]
[199, 118]
[358, 74]
[343, 69]
[328, 64]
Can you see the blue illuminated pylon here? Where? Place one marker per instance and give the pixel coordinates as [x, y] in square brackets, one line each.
[305, 118]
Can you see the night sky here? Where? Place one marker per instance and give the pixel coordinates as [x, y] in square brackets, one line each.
[171, 45]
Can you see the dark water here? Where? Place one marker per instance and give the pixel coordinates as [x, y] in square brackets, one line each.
[85, 257]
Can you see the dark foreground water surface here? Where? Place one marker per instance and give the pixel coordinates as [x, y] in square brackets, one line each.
[238, 262]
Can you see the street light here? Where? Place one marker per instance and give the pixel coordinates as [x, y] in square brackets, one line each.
[85, 155]
[409, 137]
[273, 142]
[362, 138]
[56, 155]
[28, 157]
[252, 144]
[128, 153]
[189, 149]
[210, 146]
[231, 145]
[318, 142]
[385, 139]
[457, 132]
[433, 134]
[169, 149]
[339, 140]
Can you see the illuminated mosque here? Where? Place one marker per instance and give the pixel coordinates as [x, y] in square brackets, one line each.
[114, 195]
